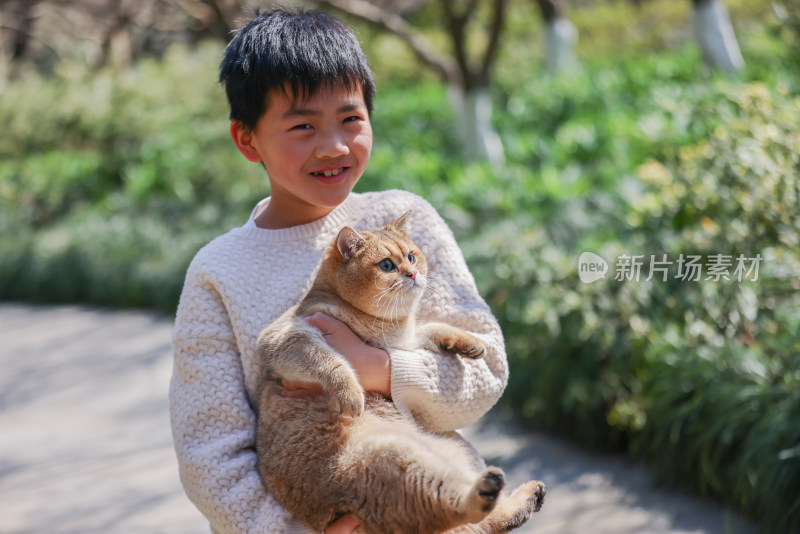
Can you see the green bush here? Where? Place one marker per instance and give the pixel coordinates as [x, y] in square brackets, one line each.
[730, 347]
[110, 181]
[158, 130]
[700, 378]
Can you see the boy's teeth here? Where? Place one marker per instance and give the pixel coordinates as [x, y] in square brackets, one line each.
[331, 173]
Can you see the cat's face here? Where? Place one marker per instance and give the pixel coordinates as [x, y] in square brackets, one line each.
[382, 272]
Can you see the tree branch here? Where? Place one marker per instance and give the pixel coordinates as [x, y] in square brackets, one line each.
[456, 22]
[31, 36]
[398, 26]
[552, 9]
[227, 12]
[496, 30]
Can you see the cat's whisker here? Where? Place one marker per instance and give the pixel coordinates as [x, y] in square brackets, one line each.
[379, 287]
[385, 312]
[435, 289]
[380, 296]
[401, 301]
[380, 305]
[391, 309]
[381, 290]
[381, 316]
[397, 309]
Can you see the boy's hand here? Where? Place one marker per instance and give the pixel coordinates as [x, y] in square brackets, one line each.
[344, 525]
[371, 364]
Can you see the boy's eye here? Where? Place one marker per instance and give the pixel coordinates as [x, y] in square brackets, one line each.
[412, 258]
[353, 118]
[386, 265]
[302, 127]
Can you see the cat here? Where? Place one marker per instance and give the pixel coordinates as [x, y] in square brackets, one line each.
[348, 451]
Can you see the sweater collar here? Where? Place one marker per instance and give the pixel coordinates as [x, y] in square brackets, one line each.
[323, 226]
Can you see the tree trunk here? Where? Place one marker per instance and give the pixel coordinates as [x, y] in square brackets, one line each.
[560, 39]
[473, 109]
[712, 29]
[16, 32]
[469, 95]
[560, 35]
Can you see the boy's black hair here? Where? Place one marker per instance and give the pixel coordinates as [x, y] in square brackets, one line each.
[296, 52]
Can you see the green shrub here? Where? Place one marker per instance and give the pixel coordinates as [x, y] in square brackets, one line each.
[700, 378]
[107, 180]
[158, 130]
[722, 377]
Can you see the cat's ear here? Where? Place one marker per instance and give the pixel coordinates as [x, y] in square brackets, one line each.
[403, 223]
[348, 242]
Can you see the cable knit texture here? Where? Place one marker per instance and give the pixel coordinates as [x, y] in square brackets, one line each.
[241, 282]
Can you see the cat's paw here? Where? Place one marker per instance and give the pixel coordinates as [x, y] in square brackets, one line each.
[483, 496]
[536, 495]
[520, 505]
[463, 344]
[349, 402]
[489, 486]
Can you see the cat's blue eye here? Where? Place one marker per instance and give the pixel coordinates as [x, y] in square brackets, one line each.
[386, 265]
[412, 258]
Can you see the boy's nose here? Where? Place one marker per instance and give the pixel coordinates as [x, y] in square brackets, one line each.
[332, 146]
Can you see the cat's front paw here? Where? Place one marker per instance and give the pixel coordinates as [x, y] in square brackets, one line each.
[349, 403]
[464, 344]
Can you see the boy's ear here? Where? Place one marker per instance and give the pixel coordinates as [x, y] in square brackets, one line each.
[348, 242]
[403, 223]
[243, 139]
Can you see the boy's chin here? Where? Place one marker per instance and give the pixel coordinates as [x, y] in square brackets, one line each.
[332, 199]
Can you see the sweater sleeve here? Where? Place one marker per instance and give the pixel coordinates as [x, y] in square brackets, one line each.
[212, 422]
[443, 391]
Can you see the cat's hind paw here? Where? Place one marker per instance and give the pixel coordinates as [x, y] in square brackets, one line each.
[519, 506]
[484, 494]
[536, 497]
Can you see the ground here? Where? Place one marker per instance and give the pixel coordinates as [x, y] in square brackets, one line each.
[87, 446]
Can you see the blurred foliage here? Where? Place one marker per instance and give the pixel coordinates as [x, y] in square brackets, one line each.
[110, 181]
[106, 192]
[700, 378]
[722, 371]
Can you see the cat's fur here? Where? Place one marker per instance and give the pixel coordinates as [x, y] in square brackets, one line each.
[324, 456]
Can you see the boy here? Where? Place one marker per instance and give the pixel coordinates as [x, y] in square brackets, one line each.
[300, 92]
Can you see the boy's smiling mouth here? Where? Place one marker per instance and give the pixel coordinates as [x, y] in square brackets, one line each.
[331, 175]
[328, 173]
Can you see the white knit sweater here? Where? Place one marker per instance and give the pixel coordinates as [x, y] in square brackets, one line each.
[241, 282]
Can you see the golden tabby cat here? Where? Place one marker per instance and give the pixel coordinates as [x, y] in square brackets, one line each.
[325, 456]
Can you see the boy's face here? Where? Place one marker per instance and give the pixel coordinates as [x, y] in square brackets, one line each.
[314, 152]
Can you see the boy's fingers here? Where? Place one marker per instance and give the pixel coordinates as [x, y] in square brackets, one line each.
[344, 525]
[323, 322]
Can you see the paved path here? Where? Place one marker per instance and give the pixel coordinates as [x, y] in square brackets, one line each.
[85, 445]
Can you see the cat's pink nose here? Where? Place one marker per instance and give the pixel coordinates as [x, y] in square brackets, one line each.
[412, 274]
